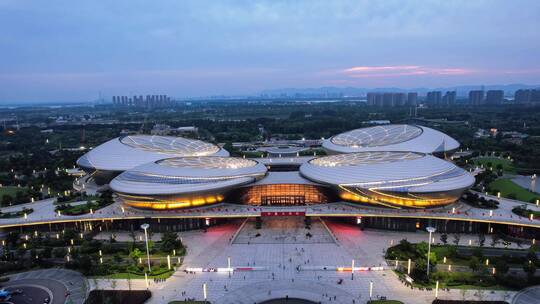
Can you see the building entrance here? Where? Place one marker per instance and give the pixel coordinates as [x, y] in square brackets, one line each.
[283, 200]
[283, 194]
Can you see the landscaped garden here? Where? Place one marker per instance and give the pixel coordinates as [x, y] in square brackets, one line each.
[511, 190]
[83, 208]
[523, 211]
[465, 267]
[478, 201]
[12, 195]
[15, 214]
[12, 190]
[495, 163]
[79, 251]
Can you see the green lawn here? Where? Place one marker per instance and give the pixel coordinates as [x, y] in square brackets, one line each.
[11, 190]
[507, 165]
[507, 187]
[91, 198]
[125, 275]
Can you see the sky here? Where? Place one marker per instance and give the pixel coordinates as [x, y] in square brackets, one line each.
[73, 50]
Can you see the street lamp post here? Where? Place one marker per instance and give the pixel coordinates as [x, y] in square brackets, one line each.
[229, 265]
[205, 292]
[145, 228]
[430, 230]
[352, 270]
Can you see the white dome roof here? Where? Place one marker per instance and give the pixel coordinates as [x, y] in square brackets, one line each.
[188, 175]
[393, 171]
[395, 137]
[127, 152]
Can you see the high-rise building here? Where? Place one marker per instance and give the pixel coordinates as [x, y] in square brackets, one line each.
[494, 96]
[372, 99]
[449, 98]
[399, 99]
[412, 99]
[476, 97]
[151, 101]
[535, 96]
[522, 96]
[389, 99]
[434, 97]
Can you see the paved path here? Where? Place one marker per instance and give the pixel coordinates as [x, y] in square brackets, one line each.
[280, 276]
[44, 212]
[58, 281]
[530, 295]
[527, 182]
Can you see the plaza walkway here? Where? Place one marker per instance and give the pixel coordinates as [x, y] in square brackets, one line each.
[279, 262]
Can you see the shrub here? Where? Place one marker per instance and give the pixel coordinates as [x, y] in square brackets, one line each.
[59, 252]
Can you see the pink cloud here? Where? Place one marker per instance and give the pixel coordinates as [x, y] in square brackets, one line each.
[401, 70]
[368, 69]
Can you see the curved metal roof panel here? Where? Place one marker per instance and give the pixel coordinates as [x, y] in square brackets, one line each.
[394, 137]
[188, 175]
[396, 171]
[127, 152]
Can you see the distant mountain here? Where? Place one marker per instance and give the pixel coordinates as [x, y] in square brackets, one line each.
[352, 91]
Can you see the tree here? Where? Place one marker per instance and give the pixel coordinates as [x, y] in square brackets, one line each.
[105, 199]
[6, 199]
[13, 237]
[84, 264]
[135, 255]
[474, 263]
[457, 237]
[501, 267]
[478, 252]
[117, 258]
[530, 269]
[481, 239]
[444, 238]
[421, 249]
[59, 252]
[170, 241]
[419, 271]
[531, 255]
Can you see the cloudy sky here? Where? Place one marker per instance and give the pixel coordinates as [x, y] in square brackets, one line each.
[72, 50]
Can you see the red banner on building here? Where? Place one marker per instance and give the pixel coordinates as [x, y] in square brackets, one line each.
[284, 213]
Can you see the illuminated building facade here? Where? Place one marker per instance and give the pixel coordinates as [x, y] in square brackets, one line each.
[391, 179]
[387, 165]
[284, 194]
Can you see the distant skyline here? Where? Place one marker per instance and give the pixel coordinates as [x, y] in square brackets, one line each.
[70, 51]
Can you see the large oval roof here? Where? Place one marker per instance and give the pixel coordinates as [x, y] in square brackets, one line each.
[188, 175]
[394, 137]
[127, 152]
[397, 171]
